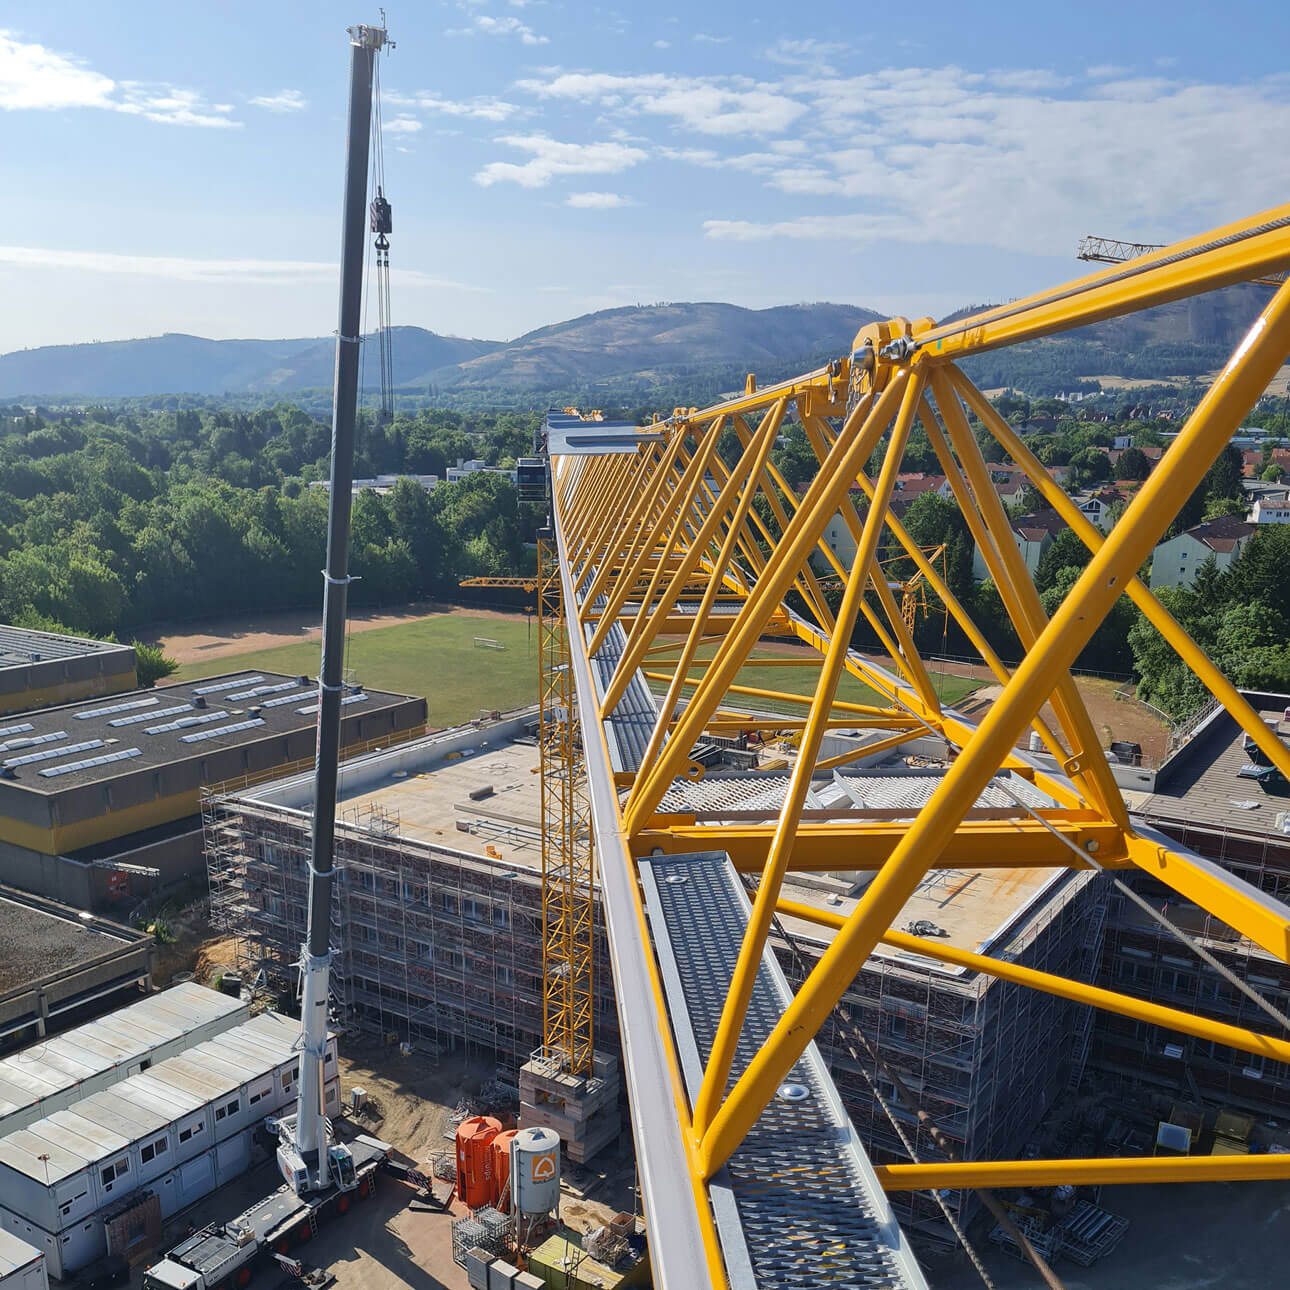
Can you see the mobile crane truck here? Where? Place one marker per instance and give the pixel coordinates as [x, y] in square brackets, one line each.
[322, 1177]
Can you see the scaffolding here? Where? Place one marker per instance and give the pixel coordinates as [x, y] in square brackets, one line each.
[984, 1057]
[433, 948]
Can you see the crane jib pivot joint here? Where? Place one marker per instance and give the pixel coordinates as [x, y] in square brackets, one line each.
[901, 348]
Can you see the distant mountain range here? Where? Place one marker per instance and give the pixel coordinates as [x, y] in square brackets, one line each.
[627, 352]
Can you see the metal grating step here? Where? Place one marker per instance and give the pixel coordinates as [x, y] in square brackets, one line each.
[798, 1205]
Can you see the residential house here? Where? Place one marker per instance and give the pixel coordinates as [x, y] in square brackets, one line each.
[1175, 562]
[1034, 534]
[1096, 507]
[1270, 508]
[1253, 463]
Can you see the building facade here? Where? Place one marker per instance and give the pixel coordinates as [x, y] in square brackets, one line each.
[1175, 562]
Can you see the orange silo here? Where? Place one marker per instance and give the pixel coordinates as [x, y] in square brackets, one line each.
[501, 1149]
[474, 1159]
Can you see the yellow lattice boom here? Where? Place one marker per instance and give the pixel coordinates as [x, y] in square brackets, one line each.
[661, 543]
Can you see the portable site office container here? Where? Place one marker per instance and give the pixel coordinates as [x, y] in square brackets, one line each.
[52, 1075]
[22, 1266]
[178, 1130]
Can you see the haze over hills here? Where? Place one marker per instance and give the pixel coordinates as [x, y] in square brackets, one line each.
[628, 353]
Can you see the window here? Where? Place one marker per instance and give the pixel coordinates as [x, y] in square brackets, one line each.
[449, 903]
[476, 909]
[185, 1134]
[150, 1150]
[233, 1107]
[117, 1169]
[330, 1059]
[501, 917]
[897, 1026]
[229, 1108]
[143, 1065]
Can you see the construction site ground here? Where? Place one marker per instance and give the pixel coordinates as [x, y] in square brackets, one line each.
[1114, 718]
[1212, 1236]
[412, 1101]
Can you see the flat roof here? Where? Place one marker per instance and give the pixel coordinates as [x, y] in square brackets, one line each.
[15, 1254]
[106, 1122]
[572, 433]
[55, 1065]
[20, 646]
[974, 907]
[1199, 785]
[429, 804]
[53, 749]
[38, 940]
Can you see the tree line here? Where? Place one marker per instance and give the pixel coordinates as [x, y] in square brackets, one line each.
[110, 519]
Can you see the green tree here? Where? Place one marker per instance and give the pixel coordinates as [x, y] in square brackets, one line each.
[152, 664]
[1133, 464]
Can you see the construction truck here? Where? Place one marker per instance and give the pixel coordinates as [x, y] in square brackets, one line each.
[322, 1177]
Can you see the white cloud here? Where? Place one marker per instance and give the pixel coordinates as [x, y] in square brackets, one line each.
[33, 77]
[1105, 71]
[479, 109]
[662, 44]
[961, 158]
[282, 101]
[508, 25]
[170, 105]
[704, 39]
[1034, 78]
[806, 53]
[550, 158]
[186, 269]
[717, 106]
[596, 201]
[403, 125]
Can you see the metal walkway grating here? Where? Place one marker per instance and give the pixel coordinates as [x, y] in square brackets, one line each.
[798, 1205]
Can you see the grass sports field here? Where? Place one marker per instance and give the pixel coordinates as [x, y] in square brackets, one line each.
[437, 657]
[801, 680]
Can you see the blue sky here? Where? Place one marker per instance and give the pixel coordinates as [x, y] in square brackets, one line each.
[178, 167]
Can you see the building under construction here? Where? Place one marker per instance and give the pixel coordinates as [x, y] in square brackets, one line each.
[437, 934]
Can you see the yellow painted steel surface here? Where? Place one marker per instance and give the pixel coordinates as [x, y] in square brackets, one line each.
[672, 543]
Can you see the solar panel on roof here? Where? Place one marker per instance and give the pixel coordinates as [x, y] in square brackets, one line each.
[18, 729]
[286, 698]
[313, 707]
[184, 722]
[121, 754]
[265, 689]
[46, 753]
[33, 740]
[223, 730]
[227, 685]
[150, 716]
[117, 707]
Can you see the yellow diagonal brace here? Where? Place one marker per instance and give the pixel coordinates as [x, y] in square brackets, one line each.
[799, 540]
[1087, 765]
[1160, 618]
[1185, 1023]
[756, 458]
[748, 963]
[1082, 1172]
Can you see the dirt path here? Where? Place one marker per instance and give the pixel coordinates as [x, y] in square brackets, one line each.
[1118, 719]
[222, 637]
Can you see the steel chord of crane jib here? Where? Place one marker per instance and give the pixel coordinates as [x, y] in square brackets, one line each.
[681, 548]
[801, 1175]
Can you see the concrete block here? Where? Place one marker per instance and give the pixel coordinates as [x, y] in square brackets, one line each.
[501, 1275]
